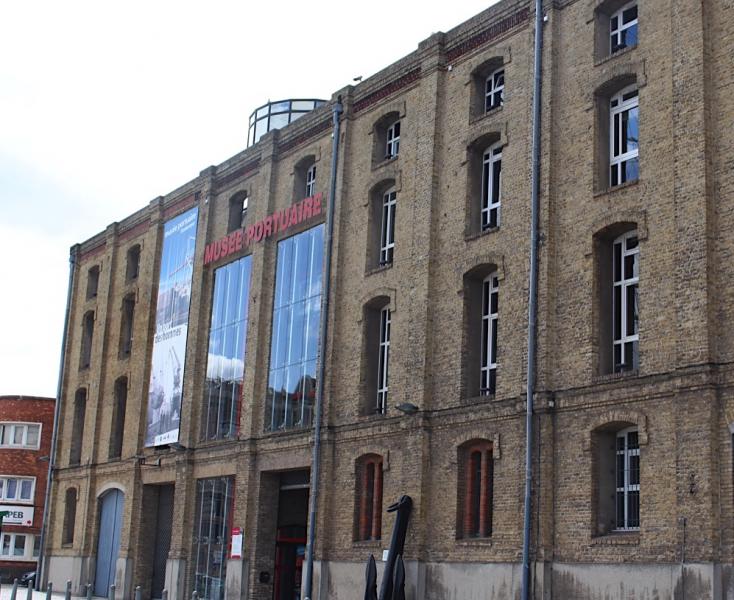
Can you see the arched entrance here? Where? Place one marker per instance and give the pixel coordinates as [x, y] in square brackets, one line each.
[108, 543]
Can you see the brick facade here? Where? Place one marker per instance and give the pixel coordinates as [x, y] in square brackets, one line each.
[677, 397]
[29, 462]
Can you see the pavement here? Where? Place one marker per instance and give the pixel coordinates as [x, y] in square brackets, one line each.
[6, 590]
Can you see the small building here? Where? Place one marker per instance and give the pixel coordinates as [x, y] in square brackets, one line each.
[26, 428]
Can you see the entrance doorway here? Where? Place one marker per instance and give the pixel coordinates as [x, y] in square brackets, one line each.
[108, 542]
[290, 540]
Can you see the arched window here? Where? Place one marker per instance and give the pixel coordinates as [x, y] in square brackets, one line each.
[304, 178]
[476, 489]
[624, 136]
[126, 325]
[487, 87]
[377, 332]
[383, 210]
[369, 497]
[386, 134]
[92, 282]
[494, 90]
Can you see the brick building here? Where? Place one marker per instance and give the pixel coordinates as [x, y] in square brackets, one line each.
[26, 426]
[190, 370]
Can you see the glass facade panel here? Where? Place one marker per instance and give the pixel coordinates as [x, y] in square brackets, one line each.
[295, 326]
[226, 358]
[214, 500]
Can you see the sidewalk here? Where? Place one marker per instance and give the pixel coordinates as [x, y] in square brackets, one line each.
[23, 591]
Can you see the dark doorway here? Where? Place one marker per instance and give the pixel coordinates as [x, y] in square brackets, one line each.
[290, 541]
[164, 523]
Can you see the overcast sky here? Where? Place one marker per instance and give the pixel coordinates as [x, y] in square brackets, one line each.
[106, 105]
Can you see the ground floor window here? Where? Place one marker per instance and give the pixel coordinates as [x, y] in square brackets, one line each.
[211, 536]
[16, 546]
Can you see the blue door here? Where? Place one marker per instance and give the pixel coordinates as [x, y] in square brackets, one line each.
[108, 544]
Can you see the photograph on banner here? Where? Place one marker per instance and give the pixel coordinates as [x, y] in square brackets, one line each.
[171, 328]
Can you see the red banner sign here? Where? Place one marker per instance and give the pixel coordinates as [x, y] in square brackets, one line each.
[279, 221]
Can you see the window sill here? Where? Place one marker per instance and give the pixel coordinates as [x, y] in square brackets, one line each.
[479, 398]
[616, 188]
[617, 538]
[475, 542]
[611, 377]
[611, 57]
[478, 234]
[385, 161]
[378, 269]
[367, 544]
[487, 116]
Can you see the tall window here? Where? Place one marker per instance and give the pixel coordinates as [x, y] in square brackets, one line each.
[20, 435]
[311, 181]
[126, 325]
[488, 366]
[383, 365]
[387, 227]
[624, 136]
[92, 282]
[625, 319]
[117, 429]
[76, 435]
[476, 487]
[212, 525]
[491, 186]
[67, 536]
[392, 142]
[494, 93]
[623, 28]
[238, 205]
[85, 355]
[628, 479]
[295, 330]
[226, 359]
[369, 497]
[132, 268]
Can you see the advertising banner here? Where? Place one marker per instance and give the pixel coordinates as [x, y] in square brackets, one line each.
[17, 515]
[171, 328]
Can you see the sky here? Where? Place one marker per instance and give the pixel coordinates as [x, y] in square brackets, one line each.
[107, 105]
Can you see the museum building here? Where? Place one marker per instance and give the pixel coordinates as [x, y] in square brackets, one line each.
[192, 364]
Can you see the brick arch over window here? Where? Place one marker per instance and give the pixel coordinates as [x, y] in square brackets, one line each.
[616, 220]
[481, 71]
[368, 497]
[616, 419]
[483, 176]
[475, 489]
[238, 205]
[384, 132]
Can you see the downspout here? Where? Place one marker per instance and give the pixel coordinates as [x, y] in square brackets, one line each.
[315, 466]
[40, 563]
[532, 298]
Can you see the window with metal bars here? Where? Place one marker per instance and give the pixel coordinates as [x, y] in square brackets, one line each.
[383, 361]
[387, 227]
[490, 323]
[491, 187]
[625, 301]
[624, 136]
[627, 478]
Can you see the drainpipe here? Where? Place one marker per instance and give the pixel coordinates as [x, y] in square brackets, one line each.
[532, 299]
[40, 563]
[314, 492]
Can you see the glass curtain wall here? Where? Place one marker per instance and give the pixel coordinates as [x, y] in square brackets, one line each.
[214, 500]
[226, 360]
[295, 333]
